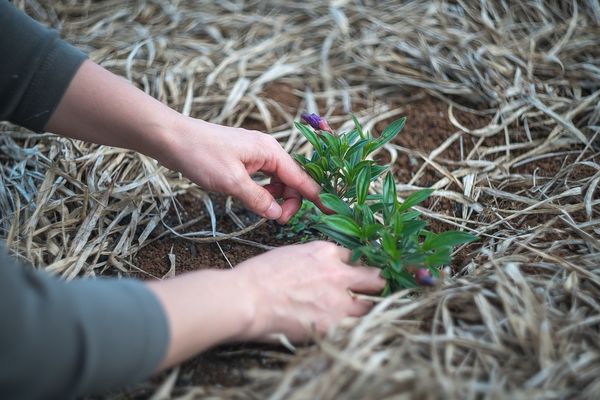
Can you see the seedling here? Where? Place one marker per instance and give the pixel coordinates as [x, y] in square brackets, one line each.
[379, 229]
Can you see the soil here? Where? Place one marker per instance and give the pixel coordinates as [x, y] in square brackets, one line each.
[427, 128]
[190, 256]
[280, 93]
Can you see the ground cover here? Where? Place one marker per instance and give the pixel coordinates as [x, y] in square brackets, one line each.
[502, 120]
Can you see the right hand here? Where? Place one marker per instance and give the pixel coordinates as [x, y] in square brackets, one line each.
[302, 288]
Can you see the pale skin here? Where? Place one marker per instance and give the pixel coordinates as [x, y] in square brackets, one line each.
[294, 290]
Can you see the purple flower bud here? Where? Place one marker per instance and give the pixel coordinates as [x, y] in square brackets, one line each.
[311, 119]
[316, 122]
[424, 278]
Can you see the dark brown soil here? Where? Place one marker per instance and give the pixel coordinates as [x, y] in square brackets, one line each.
[280, 93]
[191, 256]
[427, 127]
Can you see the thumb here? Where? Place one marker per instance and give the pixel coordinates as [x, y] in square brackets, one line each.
[257, 199]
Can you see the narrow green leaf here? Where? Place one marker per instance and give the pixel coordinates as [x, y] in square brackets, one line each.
[389, 189]
[332, 144]
[367, 214]
[415, 199]
[362, 184]
[335, 204]
[352, 136]
[388, 242]
[447, 239]
[301, 159]
[377, 170]
[316, 172]
[439, 258]
[389, 196]
[343, 224]
[409, 215]
[358, 127]
[413, 227]
[371, 231]
[391, 131]
[388, 134]
[339, 237]
[310, 136]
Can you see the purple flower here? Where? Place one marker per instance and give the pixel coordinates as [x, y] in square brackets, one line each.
[316, 122]
[311, 119]
[424, 278]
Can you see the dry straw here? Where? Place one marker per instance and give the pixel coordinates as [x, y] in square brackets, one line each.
[522, 318]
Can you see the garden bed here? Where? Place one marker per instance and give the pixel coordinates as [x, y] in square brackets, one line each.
[515, 89]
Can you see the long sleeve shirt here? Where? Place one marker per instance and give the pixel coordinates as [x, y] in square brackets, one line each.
[63, 339]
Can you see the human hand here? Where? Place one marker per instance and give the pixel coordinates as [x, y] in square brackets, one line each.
[222, 159]
[102, 108]
[302, 287]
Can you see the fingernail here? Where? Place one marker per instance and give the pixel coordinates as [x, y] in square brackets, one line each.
[274, 211]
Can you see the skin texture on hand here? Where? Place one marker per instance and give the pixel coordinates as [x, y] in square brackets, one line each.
[294, 290]
[103, 108]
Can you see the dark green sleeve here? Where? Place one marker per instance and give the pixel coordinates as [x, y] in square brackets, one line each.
[59, 340]
[36, 68]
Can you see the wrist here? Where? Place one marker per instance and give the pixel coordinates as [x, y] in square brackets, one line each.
[243, 298]
[160, 139]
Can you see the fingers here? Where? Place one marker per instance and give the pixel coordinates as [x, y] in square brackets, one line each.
[292, 199]
[359, 308]
[256, 198]
[365, 280]
[292, 175]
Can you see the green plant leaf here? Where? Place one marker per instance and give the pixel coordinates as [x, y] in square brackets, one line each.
[362, 184]
[344, 240]
[404, 280]
[392, 130]
[354, 153]
[388, 134]
[447, 239]
[367, 214]
[409, 215]
[389, 196]
[352, 136]
[388, 242]
[377, 170]
[372, 231]
[410, 228]
[342, 224]
[335, 204]
[316, 172]
[389, 189]
[358, 127]
[332, 144]
[438, 258]
[301, 159]
[310, 136]
[415, 199]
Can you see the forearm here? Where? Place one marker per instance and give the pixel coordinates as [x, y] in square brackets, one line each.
[102, 108]
[204, 309]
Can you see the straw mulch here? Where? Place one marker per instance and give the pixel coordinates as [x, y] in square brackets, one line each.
[521, 318]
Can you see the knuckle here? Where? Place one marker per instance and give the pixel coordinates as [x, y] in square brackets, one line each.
[260, 199]
[271, 140]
